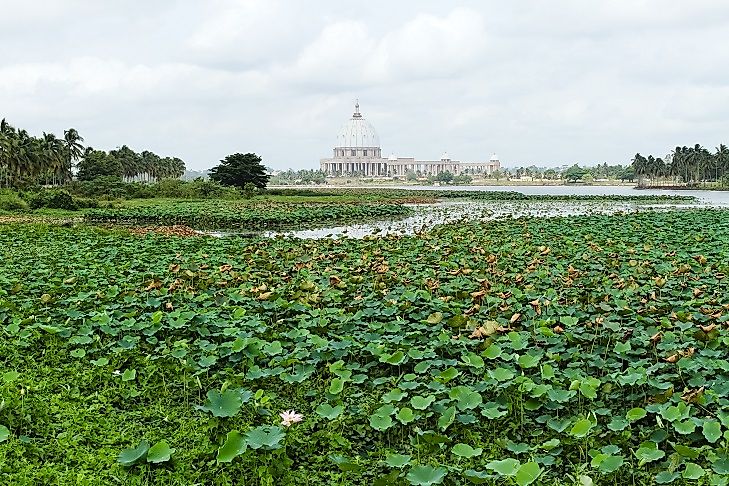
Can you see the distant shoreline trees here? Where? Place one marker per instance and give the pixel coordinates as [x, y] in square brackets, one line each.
[26, 159]
[691, 166]
[128, 165]
[48, 160]
[303, 176]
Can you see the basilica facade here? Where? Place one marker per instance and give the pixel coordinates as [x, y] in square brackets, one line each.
[358, 153]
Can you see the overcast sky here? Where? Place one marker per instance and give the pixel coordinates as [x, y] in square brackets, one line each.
[539, 82]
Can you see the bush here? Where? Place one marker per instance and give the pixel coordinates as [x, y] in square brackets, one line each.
[112, 188]
[86, 202]
[109, 188]
[463, 179]
[10, 201]
[201, 188]
[59, 199]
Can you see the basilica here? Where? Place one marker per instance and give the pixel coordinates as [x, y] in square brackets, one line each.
[358, 153]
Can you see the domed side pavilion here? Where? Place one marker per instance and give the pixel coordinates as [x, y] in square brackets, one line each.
[358, 153]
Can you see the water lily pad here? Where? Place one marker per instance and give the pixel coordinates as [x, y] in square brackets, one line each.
[649, 452]
[426, 475]
[336, 386]
[635, 414]
[134, 455]
[235, 444]
[265, 437]
[328, 412]
[527, 473]
[405, 415]
[446, 418]
[473, 360]
[129, 375]
[160, 452]
[504, 467]
[581, 428]
[380, 422]
[607, 463]
[421, 402]
[712, 430]
[666, 477]
[4, 433]
[397, 460]
[222, 404]
[465, 450]
[693, 471]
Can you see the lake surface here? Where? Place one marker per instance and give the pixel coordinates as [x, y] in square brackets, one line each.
[708, 197]
[429, 215]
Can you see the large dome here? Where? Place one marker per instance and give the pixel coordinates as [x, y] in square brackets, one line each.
[357, 133]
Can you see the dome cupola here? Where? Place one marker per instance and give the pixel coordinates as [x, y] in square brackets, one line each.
[357, 133]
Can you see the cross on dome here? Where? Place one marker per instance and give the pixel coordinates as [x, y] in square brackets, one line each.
[357, 114]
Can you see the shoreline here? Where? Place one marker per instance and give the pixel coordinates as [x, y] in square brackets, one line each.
[363, 183]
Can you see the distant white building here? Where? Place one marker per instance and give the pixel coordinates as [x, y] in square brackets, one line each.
[358, 152]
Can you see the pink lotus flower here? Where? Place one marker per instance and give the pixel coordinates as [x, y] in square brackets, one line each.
[290, 417]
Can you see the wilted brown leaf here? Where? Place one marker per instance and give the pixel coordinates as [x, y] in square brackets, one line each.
[656, 338]
[486, 329]
[693, 396]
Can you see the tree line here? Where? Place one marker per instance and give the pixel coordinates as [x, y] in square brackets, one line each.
[684, 165]
[27, 159]
[303, 176]
[128, 165]
[49, 160]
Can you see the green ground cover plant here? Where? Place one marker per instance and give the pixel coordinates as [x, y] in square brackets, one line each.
[575, 350]
[264, 214]
[435, 194]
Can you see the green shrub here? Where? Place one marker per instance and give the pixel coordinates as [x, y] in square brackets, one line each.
[86, 202]
[112, 188]
[10, 201]
[207, 189]
[59, 199]
[109, 188]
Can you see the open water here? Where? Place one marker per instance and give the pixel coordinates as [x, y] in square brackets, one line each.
[429, 215]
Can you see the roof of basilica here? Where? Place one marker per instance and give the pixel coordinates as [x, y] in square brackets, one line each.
[357, 133]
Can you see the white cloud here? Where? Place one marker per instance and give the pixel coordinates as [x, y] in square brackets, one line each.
[346, 54]
[245, 33]
[548, 82]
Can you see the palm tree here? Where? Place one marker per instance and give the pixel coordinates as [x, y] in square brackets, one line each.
[54, 153]
[640, 166]
[74, 149]
[721, 161]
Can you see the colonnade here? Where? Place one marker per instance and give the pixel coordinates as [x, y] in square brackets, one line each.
[400, 167]
[365, 168]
